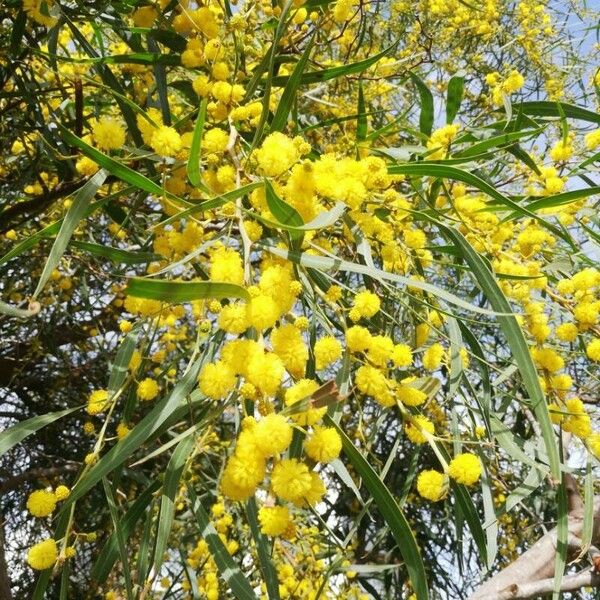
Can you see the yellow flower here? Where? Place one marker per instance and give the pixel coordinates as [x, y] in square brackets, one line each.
[324, 445]
[593, 350]
[273, 434]
[274, 520]
[216, 380]
[166, 141]
[147, 389]
[414, 429]
[465, 468]
[327, 350]
[108, 134]
[61, 492]
[43, 555]
[97, 402]
[291, 480]
[432, 485]
[41, 503]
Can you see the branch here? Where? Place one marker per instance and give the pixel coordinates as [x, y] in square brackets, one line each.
[17, 480]
[570, 583]
[28, 208]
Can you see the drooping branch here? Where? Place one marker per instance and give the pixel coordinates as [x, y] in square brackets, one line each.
[570, 583]
[536, 565]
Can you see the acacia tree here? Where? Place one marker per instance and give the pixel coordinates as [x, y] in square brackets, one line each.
[299, 300]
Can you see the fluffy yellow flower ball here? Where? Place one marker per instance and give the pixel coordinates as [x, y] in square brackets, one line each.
[166, 141]
[366, 304]
[97, 401]
[465, 468]
[41, 503]
[147, 389]
[432, 485]
[108, 134]
[593, 350]
[216, 380]
[43, 555]
[415, 429]
[273, 434]
[324, 445]
[291, 480]
[327, 350]
[274, 520]
[61, 492]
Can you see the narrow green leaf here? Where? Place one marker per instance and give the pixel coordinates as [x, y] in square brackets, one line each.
[562, 534]
[454, 97]
[426, 97]
[291, 87]
[557, 200]
[325, 263]
[120, 366]
[390, 511]
[427, 169]
[516, 342]
[17, 433]
[109, 553]
[183, 291]
[120, 538]
[283, 212]
[263, 547]
[138, 435]
[116, 255]
[361, 117]
[212, 203]
[20, 313]
[193, 164]
[335, 72]
[170, 488]
[587, 532]
[543, 108]
[495, 142]
[228, 569]
[114, 167]
[74, 215]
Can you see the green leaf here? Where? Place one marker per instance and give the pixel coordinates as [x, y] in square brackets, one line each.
[137, 436]
[390, 511]
[562, 534]
[454, 97]
[325, 263]
[74, 215]
[427, 169]
[263, 547]
[213, 202]
[426, 115]
[544, 108]
[283, 212]
[494, 142]
[116, 255]
[17, 433]
[170, 488]
[335, 72]
[587, 532]
[557, 200]
[516, 342]
[228, 569]
[120, 366]
[291, 87]
[183, 291]
[361, 117]
[108, 554]
[119, 536]
[21, 313]
[193, 164]
[114, 167]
